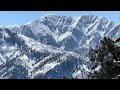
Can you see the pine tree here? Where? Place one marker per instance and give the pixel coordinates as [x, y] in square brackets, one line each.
[108, 56]
[65, 77]
[117, 40]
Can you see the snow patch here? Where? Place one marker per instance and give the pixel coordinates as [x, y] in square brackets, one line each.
[46, 68]
[65, 35]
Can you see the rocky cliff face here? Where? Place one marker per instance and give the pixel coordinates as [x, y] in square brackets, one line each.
[52, 46]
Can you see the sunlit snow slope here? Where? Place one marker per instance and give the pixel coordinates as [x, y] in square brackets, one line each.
[52, 46]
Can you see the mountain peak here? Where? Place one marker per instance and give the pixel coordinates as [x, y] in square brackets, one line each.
[52, 46]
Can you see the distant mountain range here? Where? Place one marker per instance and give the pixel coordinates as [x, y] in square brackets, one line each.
[52, 46]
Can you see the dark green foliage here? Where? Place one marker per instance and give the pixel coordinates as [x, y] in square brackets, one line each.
[118, 40]
[65, 78]
[108, 56]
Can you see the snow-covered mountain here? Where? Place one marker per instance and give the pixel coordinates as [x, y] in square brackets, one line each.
[52, 46]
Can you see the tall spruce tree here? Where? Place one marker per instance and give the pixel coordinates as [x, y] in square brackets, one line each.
[108, 57]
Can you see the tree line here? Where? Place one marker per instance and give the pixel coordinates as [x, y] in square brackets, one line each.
[107, 55]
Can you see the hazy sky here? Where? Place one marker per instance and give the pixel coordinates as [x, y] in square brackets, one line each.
[22, 17]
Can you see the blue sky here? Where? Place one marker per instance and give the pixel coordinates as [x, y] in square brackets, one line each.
[22, 17]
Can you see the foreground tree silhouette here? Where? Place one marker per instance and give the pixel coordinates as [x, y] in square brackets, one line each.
[117, 40]
[107, 55]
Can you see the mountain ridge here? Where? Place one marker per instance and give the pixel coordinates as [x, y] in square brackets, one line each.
[52, 46]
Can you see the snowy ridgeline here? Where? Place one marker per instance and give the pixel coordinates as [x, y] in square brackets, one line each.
[52, 46]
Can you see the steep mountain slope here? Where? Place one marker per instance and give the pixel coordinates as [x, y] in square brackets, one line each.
[68, 32]
[23, 57]
[52, 46]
